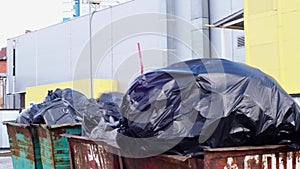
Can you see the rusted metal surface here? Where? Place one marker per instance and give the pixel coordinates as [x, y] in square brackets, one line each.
[99, 154]
[261, 157]
[163, 162]
[86, 153]
[24, 146]
[54, 147]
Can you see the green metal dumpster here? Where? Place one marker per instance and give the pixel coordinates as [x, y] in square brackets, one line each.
[24, 146]
[54, 147]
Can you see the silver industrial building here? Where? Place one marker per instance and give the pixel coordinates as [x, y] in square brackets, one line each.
[103, 43]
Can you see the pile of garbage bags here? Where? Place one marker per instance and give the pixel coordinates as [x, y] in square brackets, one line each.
[205, 103]
[102, 117]
[67, 106]
[57, 108]
[181, 109]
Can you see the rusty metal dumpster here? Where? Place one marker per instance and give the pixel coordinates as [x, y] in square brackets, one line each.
[24, 146]
[257, 157]
[86, 153]
[163, 162]
[266, 157]
[260, 157]
[54, 147]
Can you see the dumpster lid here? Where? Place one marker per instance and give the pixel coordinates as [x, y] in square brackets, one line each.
[13, 123]
[58, 125]
[98, 141]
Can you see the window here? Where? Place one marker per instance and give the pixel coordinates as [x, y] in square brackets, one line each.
[241, 41]
[22, 100]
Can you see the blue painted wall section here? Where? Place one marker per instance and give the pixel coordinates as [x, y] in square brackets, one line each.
[76, 8]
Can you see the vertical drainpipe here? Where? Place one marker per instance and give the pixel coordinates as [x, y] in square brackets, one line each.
[170, 29]
[209, 32]
[76, 8]
[4, 93]
[14, 74]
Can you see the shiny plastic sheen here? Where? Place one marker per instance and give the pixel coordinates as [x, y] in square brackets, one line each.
[206, 103]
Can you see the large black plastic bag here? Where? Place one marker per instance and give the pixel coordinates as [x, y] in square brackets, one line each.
[57, 111]
[61, 106]
[101, 116]
[92, 114]
[205, 103]
[111, 103]
[77, 99]
[26, 116]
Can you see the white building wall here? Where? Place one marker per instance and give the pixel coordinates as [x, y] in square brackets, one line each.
[191, 15]
[61, 52]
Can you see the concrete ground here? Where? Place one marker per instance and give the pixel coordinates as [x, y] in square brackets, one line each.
[5, 160]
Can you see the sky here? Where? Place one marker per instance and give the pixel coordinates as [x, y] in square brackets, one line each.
[18, 16]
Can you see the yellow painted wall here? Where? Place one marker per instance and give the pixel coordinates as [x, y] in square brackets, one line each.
[272, 39]
[38, 93]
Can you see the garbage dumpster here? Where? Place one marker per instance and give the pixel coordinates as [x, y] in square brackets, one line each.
[86, 153]
[24, 146]
[163, 162]
[268, 156]
[54, 147]
[255, 157]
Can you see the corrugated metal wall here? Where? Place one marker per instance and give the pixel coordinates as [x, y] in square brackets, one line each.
[61, 52]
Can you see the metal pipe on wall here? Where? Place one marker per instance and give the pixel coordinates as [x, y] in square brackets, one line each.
[14, 74]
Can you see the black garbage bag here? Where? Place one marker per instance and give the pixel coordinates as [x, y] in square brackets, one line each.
[205, 103]
[111, 103]
[104, 111]
[26, 116]
[104, 131]
[53, 95]
[77, 99]
[58, 111]
[59, 107]
[92, 114]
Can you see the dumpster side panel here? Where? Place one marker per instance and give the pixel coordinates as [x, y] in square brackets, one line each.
[85, 153]
[46, 148]
[61, 149]
[24, 146]
[37, 148]
[54, 148]
[252, 157]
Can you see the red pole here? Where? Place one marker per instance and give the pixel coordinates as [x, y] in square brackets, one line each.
[141, 59]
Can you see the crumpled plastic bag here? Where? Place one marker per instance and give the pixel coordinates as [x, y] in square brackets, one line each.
[26, 115]
[107, 108]
[58, 107]
[104, 131]
[205, 103]
[58, 112]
